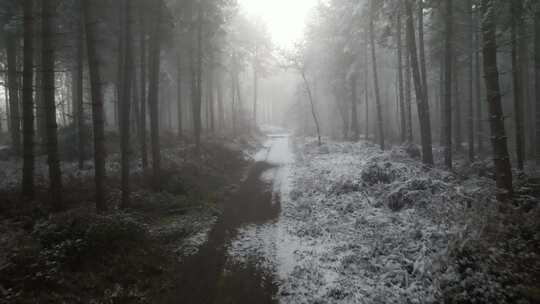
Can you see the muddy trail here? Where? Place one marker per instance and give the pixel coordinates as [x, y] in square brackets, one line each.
[208, 277]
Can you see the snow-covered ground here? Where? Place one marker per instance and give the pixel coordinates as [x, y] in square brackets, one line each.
[358, 225]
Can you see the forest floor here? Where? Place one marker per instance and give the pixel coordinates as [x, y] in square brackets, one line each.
[293, 223]
[124, 256]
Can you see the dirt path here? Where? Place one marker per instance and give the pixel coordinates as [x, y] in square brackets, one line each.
[209, 276]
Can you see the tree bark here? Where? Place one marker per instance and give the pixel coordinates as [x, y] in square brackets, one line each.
[421, 47]
[470, 112]
[478, 90]
[77, 93]
[48, 56]
[312, 104]
[496, 120]
[13, 87]
[125, 104]
[401, 100]
[354, 111]
[447, 107]
[516, 24]
[422, 102]
[375, 78]
[153, 93]
[142, 86]
[537, 76]
[28, 102]
[98, 122]
[179, 111]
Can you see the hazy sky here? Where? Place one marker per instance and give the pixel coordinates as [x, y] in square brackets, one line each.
[285, 18]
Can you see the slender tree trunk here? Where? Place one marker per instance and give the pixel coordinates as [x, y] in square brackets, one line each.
[366, 86]
[376, 79]
[142, 86]
[457, 104]
[312, 104]
[422, 102]
[77, 93]
[478, 90]
[421, 47]
[496, 120]
[537, 76]
[55, 174]
[125, 104]
[13, 86]
[233, 96]
[153, 93]
[447, 119]
[198, 83]
[401, 100]
[516, 23]
[98, 121]
[408, 97]
[470, 118]
[354, 111]
[255, 87]
[28, 102]
[221, 110]
[179, 93]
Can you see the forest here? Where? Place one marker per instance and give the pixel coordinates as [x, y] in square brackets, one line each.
[251, 151]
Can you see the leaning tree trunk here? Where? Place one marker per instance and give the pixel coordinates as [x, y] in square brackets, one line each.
[312, 105]
[375, 78]
[493, 92]
[28, 102]
[55, 174]
[516, 23]
[98, 122]
[422, 102]
[125, 104]
[153, 93]
[13, 87]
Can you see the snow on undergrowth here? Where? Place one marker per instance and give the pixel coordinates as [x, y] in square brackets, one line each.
[359, 225]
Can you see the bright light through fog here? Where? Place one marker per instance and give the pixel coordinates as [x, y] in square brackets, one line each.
[285, 18]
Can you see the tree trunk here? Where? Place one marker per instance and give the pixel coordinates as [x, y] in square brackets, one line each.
[28, 102]
[408, 98]
[496, 120]
[312, 104]
[354, 111]
[125, 104]
[55, 175]
[422, 103]
[376, 79]
[537, 76]
[198, 83]
[13, 87]
[447, 107]
[179, 93]
[98, 122]
[255, 87]
[478, 90]
[142, 87]
[153, 93]
[77, 93]
[516, 24]
[401, 100]
[221, 110]
[470, 117]
[421, 48]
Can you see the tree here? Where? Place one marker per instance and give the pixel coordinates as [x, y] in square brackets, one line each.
[516, 24]
[125, 102]
[375, 76]
[77, 84]
[470, 64]
[153, 91]
[142, 85]
[401, 96]
[97, 104]
[537, 75]
[48, 57]
[421, 97]
[28, 102]
[447, 106]
[13, 87]
[496, 120]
